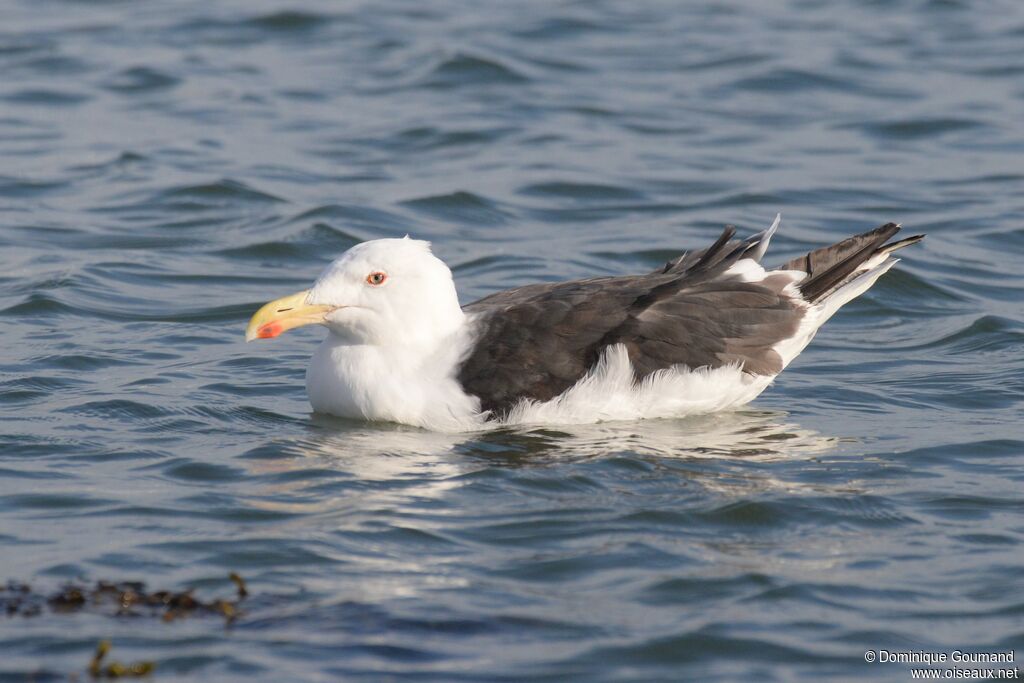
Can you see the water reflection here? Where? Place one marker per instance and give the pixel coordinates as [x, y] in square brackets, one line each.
[763, 435]
[344, 466]
[383, 451]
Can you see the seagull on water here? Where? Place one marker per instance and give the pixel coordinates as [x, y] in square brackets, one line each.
[708, 331]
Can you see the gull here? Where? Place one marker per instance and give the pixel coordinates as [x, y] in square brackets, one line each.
[708, 331]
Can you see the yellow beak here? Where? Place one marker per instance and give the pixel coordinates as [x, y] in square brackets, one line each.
[284, 314]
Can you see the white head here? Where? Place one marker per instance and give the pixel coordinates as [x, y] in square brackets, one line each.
[390, 292]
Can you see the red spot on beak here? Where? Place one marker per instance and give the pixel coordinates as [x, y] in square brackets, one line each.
[269, 331]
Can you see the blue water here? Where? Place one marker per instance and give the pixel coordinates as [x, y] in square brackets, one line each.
[167, 167]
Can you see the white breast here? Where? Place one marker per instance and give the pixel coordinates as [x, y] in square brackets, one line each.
[378, 383]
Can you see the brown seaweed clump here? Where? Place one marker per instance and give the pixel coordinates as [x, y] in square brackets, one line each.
[116, 669]
[17, 599]
[126, 598]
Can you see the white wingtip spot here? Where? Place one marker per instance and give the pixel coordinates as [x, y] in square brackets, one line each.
[771, 230]
[766, 237]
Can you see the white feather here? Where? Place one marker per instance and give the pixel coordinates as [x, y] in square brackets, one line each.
[766, 238]
[819, 313]
[609, 392]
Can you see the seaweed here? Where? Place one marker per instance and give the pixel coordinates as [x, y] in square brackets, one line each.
[18, 599]
[116, 669]
[118, 599]
[122, 599]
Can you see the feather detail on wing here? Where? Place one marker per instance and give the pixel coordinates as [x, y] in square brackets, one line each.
[709, 309]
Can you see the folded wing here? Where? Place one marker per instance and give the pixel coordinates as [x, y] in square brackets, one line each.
[705, 309]
[537, 341]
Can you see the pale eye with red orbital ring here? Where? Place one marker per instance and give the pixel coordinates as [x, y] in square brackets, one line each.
[376, 278]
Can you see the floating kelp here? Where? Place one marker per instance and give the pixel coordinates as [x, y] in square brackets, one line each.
[239, 584]
[116, 669]
[126, 598]
[120, 599]
[17, 599]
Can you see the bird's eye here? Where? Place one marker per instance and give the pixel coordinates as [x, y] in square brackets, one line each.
[376, 278]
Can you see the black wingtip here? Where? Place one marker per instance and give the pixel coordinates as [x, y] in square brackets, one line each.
[899, 244]
[712, 251]
[829, 266]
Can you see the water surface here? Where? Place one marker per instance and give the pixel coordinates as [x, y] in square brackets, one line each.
[167, 167]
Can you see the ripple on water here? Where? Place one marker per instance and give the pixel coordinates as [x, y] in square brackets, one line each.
[561, 190]
[119, 409]
[90, 362]
[560, 28]
[428, 139]
[58, 504]
[44, 97]
[790, 80]
[141, 79]
[289, 20]
[705, 647]
[464, 69]
[250, 553]
[23, 187]
[192, 470]
[243, 414]
[987, 333]
[460, 207]
[905, 129]
[284, 25]
[303, 247]
[694, 590]
[36, 388]
[353, 215]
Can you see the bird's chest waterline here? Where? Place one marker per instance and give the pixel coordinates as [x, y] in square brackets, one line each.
[356, 381]
[383, 384]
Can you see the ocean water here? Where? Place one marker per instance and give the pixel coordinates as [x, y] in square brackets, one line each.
[165, 168]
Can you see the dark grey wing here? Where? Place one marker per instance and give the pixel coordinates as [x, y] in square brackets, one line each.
[537, 341]
[710, 323]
